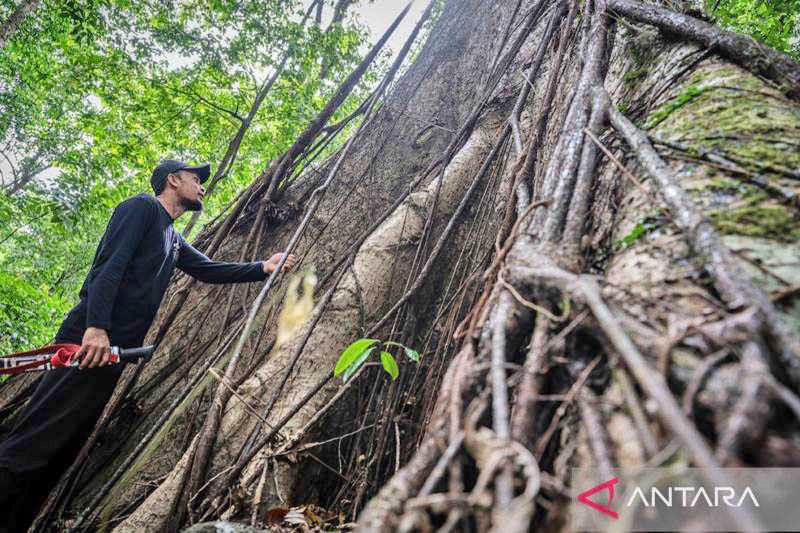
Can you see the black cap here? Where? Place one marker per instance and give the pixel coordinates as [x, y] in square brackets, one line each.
[168, 166]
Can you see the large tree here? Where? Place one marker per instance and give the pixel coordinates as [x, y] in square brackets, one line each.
[583, 216]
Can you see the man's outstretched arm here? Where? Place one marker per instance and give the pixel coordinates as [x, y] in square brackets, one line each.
[197, 265]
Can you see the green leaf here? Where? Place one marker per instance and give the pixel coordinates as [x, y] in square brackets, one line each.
[412, 354]
[357, 364]
[390, 365]
[351, 354]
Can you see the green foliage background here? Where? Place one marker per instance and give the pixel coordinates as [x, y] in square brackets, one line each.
[775, 23]
[94, 92]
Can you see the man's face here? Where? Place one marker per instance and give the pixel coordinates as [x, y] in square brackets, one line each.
[190, 190]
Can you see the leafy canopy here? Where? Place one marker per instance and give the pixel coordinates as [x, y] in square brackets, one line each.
[775, 23]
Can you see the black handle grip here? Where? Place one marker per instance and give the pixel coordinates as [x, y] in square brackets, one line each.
[131, 355]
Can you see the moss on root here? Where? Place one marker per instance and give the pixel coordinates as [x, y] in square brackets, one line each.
[732, 113]
[773, 222]
[660, 114]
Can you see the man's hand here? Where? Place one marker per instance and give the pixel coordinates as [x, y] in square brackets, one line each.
[272, 263]
[95, 348]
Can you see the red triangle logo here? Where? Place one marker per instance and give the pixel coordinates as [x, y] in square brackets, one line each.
[583, 497]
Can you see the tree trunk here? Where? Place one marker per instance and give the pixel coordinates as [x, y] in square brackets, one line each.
[340, 10]
[524, 262]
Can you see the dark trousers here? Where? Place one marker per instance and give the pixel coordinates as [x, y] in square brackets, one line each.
[47, 435]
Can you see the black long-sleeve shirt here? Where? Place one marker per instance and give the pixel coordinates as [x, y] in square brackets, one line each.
[132, 268]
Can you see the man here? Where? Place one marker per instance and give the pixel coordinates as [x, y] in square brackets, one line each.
[118, 301]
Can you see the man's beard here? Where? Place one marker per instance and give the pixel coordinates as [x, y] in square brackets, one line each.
[191, 205]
